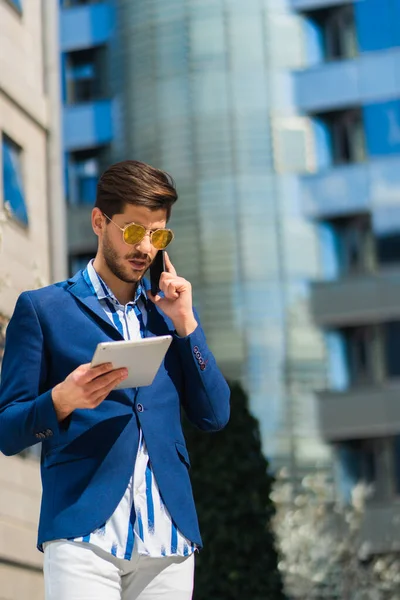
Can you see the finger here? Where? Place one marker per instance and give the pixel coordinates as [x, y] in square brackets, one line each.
[101, 394]
[168, 264]
[171, 291]
[109, 379]
[92, 372]
[155, 299]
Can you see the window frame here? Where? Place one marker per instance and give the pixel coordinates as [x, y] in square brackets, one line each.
[16, 5]
[7, 207]
[334, 23]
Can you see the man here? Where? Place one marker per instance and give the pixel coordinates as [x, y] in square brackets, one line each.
[117, 520]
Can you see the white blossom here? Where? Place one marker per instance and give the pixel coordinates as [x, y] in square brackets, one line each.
[319, 546]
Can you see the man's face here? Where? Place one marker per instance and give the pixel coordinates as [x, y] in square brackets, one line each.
[126, 262]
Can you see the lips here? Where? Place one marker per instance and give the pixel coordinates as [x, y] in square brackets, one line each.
[138, 265]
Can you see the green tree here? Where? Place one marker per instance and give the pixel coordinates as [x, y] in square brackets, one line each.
[232, 492]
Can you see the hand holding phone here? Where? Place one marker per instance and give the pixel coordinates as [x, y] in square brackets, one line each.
[157, 267]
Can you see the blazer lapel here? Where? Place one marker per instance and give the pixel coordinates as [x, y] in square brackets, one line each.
[79, 288]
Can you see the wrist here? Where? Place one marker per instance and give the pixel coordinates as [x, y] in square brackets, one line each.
[62, 408]
[186, 326]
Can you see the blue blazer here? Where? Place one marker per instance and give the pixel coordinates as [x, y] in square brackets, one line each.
[87, 459]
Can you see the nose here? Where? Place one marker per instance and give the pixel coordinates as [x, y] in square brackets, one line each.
[145, 245]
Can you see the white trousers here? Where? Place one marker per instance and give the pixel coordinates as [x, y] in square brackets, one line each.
[80, 571]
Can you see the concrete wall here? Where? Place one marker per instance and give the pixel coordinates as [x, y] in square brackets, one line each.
[28, 112]
[20, 561]
[24, 111]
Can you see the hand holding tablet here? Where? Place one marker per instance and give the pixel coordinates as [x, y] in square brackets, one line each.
[141, 357]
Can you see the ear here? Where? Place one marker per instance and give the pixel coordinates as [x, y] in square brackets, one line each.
[98, 221]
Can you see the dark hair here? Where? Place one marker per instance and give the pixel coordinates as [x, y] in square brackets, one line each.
[134, 182]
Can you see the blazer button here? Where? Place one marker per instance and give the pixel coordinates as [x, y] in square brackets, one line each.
[195, 349]
[139, 407]
[202, 366]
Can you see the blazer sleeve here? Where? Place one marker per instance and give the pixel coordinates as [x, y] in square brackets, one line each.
[206, 395]
[27, 413]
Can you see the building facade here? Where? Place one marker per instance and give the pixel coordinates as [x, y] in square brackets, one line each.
[32, 241]
[204, 90]
[86, 34]
[351, 93]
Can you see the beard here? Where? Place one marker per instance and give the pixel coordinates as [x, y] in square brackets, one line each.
[113, 262]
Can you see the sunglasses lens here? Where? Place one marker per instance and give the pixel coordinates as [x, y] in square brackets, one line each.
[133, 234]
[161, 238]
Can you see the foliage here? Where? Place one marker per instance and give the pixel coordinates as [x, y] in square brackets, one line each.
[232, 490]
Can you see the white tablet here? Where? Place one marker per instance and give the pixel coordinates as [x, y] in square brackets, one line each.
[142, 358]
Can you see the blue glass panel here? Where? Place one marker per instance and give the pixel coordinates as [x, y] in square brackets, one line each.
[329, 250]
[314, 42]
[323, 143]
[86, 26]
[386, 227]
[17, 4]
[87, 190]
[382, 127]
[82, 71]
[63, 65]
[337, 361]
[377, 24]
[87, 125]
[349, 469]
[396, 461]
[12, 180]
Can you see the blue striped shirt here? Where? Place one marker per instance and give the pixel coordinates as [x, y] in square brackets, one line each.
[141, 519]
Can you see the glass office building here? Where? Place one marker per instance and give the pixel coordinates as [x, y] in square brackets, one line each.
[86, 31]
[351, 93]
[203, 88]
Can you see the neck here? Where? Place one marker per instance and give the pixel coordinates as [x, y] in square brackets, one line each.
[124, 292]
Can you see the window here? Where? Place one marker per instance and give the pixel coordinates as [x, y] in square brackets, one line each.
[363, 354]
[396, 463]
[79, 261]
[338, 31]
[388, 248]
[392, 348]
[354, 244]
[86, 75]
[345, 131]
[83, 173]
[13, 189]
[71, 3]
[17, 4]
[386, 225]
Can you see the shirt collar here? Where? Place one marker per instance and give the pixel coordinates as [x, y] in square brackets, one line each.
[102, 291]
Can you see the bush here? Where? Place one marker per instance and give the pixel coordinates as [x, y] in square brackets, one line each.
[232, 492]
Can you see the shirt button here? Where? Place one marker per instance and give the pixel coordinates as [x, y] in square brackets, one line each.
[139, 407]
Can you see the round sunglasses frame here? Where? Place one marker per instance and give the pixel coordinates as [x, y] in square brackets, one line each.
[145, 231]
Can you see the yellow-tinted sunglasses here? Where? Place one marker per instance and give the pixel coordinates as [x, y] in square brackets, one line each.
[133, 233]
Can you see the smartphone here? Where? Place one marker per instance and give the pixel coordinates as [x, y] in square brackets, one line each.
[156, 268]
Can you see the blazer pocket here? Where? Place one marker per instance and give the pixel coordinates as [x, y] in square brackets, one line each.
[183, 453]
